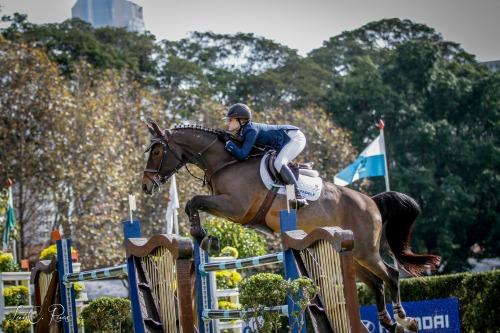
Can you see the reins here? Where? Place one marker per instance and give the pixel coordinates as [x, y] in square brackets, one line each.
[158, 179]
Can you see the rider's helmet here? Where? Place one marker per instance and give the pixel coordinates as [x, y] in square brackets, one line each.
[240, 111]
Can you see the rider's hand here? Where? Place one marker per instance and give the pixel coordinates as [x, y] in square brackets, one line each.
[224, 136]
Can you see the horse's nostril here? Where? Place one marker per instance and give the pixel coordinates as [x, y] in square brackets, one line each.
[144, 188]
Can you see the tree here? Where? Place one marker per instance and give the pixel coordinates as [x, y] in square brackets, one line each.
[75, 40]
[442, 125]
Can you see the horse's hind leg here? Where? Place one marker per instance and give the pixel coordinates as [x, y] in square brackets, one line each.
[377, 286]
[408, 323]
[390, 276]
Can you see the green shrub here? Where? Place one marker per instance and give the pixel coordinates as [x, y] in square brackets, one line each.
[267, 290]
[7, 263]
[106, 314]
[259, 291]
[16, 295]
[15, 324]
[246, 241]
[478, 294]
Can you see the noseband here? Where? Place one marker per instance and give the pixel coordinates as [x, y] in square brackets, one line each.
[159, 179]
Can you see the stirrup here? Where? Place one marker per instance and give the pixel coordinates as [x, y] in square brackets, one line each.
[299, 203]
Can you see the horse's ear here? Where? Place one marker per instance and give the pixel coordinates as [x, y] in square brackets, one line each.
[168, 133]
[156, 130]
[151, 130]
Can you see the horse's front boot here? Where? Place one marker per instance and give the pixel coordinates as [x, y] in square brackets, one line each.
[198, 233]
[388, 324]
[211, 245]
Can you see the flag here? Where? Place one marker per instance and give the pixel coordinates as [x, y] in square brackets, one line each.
[173, 205]
[370, 163]
[10, 221]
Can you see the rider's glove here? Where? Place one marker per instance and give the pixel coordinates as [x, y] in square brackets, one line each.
[224, 136]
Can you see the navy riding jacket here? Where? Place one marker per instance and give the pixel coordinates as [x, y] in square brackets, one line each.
[272, 136]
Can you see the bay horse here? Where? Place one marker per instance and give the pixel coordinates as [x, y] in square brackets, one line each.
[237, 194]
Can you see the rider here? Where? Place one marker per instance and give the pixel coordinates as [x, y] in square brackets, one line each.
[287, 140]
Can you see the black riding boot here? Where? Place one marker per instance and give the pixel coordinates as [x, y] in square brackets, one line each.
[289, 179]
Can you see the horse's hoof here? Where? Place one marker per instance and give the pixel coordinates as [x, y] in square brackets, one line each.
[393, 327]
[412, 325]
[399, 329]
[210, 245]
[408, 323]
[198, 233]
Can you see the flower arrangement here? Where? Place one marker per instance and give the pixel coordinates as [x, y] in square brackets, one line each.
[7, 263]
[79, 287]
[227, 305]
[229, 251]
[13, 324]
[51, 251]
[227, 279]
[16, 295]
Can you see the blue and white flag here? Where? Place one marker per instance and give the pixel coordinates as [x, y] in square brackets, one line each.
[370, 163]
[10, 221]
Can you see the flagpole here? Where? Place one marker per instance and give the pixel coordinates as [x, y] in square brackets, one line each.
[381, 126]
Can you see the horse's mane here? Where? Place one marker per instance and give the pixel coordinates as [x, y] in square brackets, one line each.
[198, 128]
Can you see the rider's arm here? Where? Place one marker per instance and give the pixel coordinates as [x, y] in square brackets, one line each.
[243, 152]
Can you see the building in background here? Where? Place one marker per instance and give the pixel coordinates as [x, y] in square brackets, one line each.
[493, 65]
[113, 13]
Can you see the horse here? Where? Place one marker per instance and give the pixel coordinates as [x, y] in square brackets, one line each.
[238, 194]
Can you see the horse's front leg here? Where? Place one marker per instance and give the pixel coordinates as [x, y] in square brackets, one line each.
[219, 205]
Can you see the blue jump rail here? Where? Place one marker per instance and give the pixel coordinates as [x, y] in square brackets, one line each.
[97, 274]
[239, 314]
[273, 258]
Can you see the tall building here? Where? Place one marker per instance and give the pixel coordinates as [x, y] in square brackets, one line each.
[113, 13]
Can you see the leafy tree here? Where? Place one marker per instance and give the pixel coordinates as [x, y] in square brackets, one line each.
[75, 40]
[442, 117]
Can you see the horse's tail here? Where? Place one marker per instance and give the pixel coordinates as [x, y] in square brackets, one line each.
[399, 212]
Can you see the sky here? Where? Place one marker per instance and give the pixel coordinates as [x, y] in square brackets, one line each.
[299, 24]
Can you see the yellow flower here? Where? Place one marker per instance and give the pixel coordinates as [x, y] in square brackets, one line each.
[51, 251]
[6, 257]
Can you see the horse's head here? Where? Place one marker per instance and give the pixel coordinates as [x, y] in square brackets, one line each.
[162, 160]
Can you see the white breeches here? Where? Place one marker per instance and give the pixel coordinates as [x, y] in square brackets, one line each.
[291, 150]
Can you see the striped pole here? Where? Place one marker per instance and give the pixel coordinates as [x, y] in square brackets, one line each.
[267, 259]
[96, 274]
[239, 314]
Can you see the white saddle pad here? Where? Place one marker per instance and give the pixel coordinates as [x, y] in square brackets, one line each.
[310, 187]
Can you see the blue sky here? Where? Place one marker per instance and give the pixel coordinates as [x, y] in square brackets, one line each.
[299, 24]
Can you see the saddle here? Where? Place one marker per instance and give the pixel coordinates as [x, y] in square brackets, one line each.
[297, 169]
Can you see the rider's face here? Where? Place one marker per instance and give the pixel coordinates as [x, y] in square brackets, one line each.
[232, 124]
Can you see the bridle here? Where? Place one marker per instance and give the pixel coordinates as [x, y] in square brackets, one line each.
[159, 179]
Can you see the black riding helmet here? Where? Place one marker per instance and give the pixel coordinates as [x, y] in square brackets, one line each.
[240, 111]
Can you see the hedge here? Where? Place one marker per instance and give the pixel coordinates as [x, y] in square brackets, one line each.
[478, 294]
